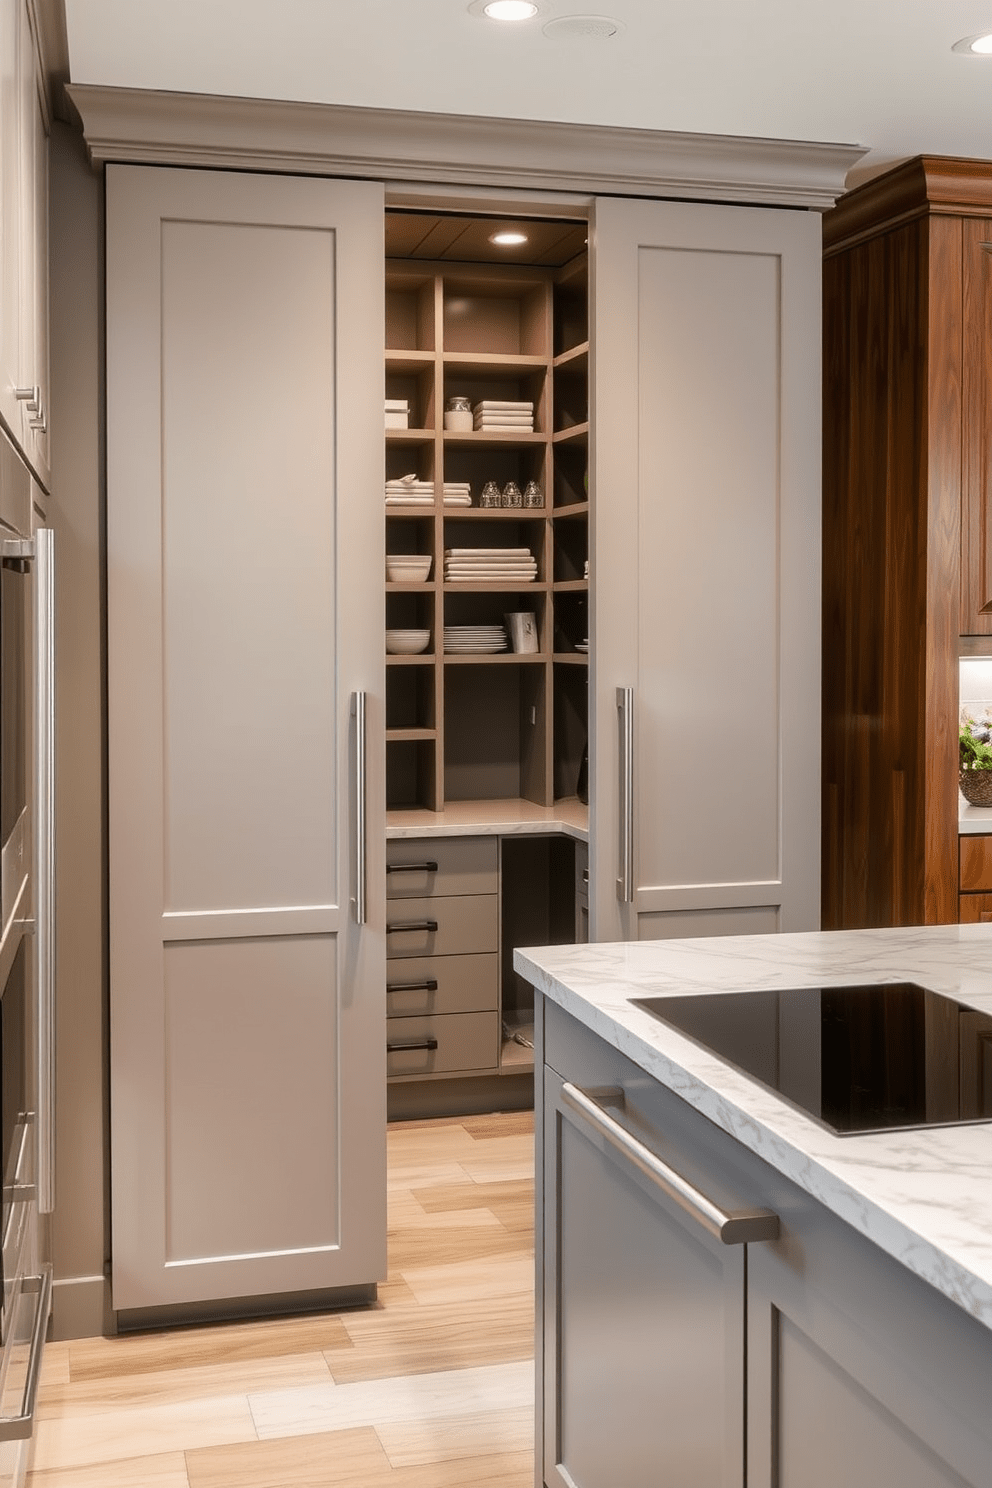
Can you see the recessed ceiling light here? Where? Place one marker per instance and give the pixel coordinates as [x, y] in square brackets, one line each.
[508, 239]
[510, 10]
[974, 46]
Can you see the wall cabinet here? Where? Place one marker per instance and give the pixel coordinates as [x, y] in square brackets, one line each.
[24, 390]
[244, 319]
[665, 1354]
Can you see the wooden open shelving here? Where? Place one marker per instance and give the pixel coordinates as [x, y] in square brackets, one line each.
[503, 726]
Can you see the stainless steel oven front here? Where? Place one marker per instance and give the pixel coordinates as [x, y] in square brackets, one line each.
[26, 975]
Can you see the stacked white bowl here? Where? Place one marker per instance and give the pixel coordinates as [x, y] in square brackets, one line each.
[407, 642]
[408, 568]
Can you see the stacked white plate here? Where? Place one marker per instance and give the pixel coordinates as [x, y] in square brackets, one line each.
[407, 642]
[487, 565]
[473, 640]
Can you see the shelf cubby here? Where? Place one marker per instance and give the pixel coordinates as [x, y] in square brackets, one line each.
[411, 776]
[410, 699]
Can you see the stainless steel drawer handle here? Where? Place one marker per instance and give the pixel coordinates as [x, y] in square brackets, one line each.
[425, 1043]
[399, 926]
[739, 1227]
[426, 984]
[18, 1428]
[411, 867]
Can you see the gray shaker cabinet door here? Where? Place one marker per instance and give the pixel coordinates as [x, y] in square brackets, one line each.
[643, 1324]
[705, 568]
[245, 558]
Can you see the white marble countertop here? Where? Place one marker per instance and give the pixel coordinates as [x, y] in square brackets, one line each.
[510, 818]
[925, 1197]
[973, 819]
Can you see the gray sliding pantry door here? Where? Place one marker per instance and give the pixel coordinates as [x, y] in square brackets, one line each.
[705, 563]
[245, 559]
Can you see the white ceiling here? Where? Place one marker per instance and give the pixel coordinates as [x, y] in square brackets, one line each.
[879, 73]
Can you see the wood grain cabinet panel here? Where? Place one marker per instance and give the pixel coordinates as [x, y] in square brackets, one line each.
[976, 392]
[906, 316]
[976, 864]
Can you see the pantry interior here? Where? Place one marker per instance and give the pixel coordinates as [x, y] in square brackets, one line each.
[487, 483]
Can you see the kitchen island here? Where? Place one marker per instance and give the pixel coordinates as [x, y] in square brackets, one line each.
[840, 1329]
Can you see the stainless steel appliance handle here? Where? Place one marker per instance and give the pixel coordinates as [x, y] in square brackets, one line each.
[739, 1227]
[19, 1427]
[361, 821]
[44, 887]
[625, 723]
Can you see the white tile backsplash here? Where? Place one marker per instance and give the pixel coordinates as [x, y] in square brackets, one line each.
[975, 687]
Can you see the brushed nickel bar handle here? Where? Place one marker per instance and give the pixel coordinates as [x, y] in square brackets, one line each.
[739, 1227]
[428, 984]
[430, 1044]
[19, 1427]
[411, 867]
[44, 856]
[360, 901]
[398, 926]
[625, 722]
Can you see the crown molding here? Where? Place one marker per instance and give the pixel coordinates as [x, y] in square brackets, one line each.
[925, 186]
[159, 128]
[52, 42]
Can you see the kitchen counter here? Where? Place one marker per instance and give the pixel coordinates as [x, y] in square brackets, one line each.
[924, 1196]
[973, 819]
[510, 818]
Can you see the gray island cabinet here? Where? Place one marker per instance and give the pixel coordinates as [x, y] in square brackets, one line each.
[728, 1292]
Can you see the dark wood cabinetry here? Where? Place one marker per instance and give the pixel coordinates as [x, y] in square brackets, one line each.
[907, 573]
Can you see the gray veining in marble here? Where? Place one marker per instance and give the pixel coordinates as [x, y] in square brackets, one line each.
[925, 1197]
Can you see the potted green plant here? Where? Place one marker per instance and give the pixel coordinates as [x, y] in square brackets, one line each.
[975, 763]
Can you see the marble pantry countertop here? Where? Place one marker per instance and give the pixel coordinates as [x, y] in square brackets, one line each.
[924, 1197]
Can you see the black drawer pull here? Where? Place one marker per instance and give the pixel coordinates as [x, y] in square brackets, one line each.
[398, 926]
[425, 1043]
[429, 984]
[411, 867]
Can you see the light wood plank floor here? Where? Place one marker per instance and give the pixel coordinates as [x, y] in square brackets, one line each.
[433, 1388]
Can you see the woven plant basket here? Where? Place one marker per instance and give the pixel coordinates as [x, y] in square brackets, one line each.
[976, 786]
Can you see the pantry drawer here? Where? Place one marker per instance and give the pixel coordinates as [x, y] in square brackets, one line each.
[976, 863]
[421, 866]
[442, 927]
[442, 984]
[442, 1045]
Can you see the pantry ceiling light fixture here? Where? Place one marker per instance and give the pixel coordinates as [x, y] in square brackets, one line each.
[975, 46]
[508, 239]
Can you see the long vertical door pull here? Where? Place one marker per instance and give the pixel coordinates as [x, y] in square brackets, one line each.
[625, 725]
[361, 825]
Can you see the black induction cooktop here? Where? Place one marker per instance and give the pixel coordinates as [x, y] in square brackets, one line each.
[869, 1058]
